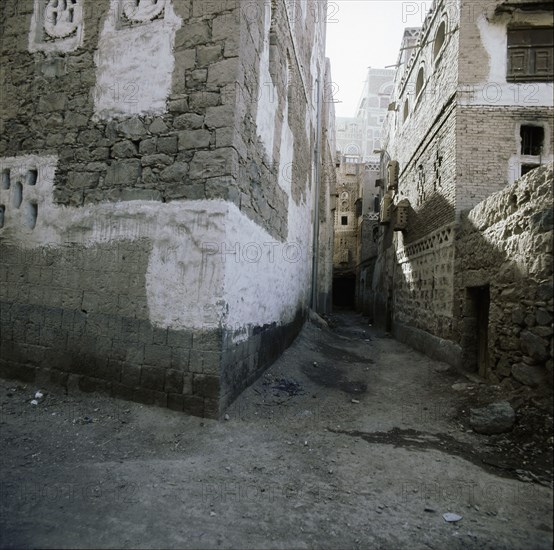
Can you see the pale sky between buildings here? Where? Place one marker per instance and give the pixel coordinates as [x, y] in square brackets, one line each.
[362, 34]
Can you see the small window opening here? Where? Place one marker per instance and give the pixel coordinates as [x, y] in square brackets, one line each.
[419, 82]
[32, 176]
[439, 40]
[406, 110]
[532, 140]
[2, 213]
[376, 204]
[17, 194]
[526, 168]
[31, 213]
[344, 220]
[6, 179]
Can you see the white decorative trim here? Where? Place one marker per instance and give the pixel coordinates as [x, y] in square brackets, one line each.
[142, 11]
[56, 26]
[25, 193]
[62, 18]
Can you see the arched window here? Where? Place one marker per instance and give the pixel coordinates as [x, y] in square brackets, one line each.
[386, 89]
[419, 81]
[439, 39]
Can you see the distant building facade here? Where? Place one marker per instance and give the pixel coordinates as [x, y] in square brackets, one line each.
[360, 136]
[356, 221]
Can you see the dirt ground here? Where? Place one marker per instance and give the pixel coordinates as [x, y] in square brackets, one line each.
[350, 440]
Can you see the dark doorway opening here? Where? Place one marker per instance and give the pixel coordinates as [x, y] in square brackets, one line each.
[344, 292]
[476, 329]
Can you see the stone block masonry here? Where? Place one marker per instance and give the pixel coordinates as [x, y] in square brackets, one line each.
[136, 183]
[505, 244]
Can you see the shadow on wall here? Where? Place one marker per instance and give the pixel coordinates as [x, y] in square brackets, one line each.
[413, 277]
[478, 295]
[503, 283]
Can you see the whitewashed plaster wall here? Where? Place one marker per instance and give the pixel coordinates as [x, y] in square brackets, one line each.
[210, 265]
[267, 93]
[135, 61]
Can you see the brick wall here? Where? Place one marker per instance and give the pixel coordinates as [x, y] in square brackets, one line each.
[456, 145]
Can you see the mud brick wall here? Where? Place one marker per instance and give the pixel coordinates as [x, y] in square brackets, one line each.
[506, 243]
[78, 318]
[137, 173]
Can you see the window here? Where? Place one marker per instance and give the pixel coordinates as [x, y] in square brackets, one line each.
[532, 140]
[439, 40]
[419, 82]
[344, 220]
[526, 168]
[375, 234]
[352, 150]
[376, 204]
[6, 179]
[530, 54]
[406, 111]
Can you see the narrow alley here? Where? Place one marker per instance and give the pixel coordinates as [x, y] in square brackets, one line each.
[350, 440]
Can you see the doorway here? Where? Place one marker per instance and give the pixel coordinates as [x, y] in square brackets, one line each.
[344, 292]
[476, 329]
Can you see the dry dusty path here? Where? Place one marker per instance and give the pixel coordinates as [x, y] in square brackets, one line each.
[365, 449]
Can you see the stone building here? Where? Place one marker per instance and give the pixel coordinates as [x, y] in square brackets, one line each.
[473, 113]
[356, 222]
[360, 136]
[367, 240]
[161, 169]
[349, 179]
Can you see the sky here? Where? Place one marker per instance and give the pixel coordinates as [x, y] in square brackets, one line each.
[362, 34]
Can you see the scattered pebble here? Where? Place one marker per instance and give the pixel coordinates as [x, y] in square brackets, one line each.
[451, 518]
[355, 401]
